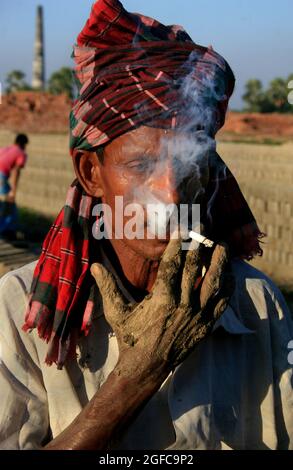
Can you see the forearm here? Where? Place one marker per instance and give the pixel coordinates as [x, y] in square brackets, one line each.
[14, 178]
[109, 412]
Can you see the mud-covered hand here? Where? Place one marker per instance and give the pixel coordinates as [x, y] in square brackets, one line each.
[157, 334]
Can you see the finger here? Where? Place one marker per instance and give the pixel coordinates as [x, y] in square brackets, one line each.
[113, 301]
[215, 307]
[214, 276]
[193, 336]
[169, 269]
[192, 272]
[221, 300]
[202, 324]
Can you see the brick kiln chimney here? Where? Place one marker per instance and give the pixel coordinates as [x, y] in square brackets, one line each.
[38, 81]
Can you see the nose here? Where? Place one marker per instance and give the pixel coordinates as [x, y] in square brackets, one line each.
[164, 184]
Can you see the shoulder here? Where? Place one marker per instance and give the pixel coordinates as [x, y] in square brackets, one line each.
[255, 281]
[4, 150]
[14, 290]
[21, 276]
[16, 346]
[20, 155]
[256, 296]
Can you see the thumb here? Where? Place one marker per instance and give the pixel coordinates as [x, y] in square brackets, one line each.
[113, 301]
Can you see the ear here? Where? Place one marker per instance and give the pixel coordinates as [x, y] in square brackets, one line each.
[87, 169]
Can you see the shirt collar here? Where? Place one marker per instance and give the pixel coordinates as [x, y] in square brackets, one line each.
[232, 323]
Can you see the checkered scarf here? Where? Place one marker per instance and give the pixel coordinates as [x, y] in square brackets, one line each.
[130, 70]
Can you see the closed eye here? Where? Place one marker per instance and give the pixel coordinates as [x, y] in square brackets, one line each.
[144, 165]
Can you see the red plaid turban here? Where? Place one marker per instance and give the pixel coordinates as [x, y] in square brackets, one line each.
[131, 70]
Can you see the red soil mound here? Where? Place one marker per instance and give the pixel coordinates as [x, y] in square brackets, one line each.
[254, 124]
[34, 112]
[42, 112]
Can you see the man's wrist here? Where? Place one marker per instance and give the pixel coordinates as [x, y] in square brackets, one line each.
[151, 375]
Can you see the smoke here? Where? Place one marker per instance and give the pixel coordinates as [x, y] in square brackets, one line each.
[187, 149]
[182, 157]
[201, 89]
[159, 214]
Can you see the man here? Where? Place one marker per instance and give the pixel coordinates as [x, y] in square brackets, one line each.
[12, 159]
[168, 348]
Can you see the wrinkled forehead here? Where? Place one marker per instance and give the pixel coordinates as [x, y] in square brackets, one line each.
[155, 142]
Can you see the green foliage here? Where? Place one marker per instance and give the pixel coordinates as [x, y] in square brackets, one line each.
[273, 99]
[62, 81]
[253, 95]
[278, 95]
[15, 81]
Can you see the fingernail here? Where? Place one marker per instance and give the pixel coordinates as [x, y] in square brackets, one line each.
[95, 269]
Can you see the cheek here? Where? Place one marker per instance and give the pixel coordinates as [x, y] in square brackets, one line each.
[114, 184]
[117, 182]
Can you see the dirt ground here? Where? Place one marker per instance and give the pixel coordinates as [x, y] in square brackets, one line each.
[269, 126]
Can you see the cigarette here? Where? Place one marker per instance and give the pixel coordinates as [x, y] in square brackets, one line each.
[200, 239]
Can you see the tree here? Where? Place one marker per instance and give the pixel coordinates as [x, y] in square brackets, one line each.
[15, 81]
[277, 94]
[62, 81]
[253, 95]
[290, 91]
[290, 78]
[274, 99]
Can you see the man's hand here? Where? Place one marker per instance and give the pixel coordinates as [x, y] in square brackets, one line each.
[153, 336]
[10, 197]
[157, 334]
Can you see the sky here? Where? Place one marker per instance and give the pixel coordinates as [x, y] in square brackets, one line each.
[254, 36]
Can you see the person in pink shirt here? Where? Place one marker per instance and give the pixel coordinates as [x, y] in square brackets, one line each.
[12, 159]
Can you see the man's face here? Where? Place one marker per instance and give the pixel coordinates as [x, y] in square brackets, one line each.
[149, 165]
